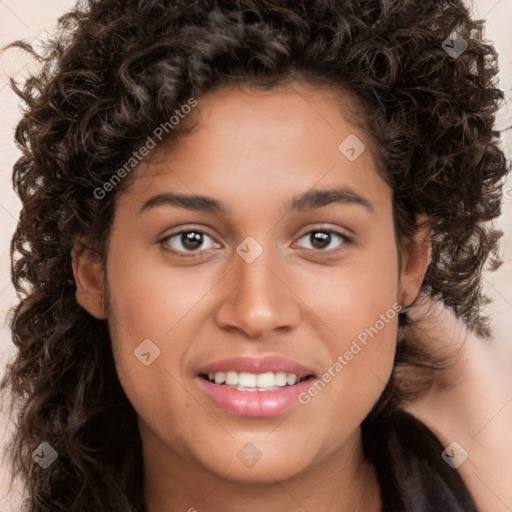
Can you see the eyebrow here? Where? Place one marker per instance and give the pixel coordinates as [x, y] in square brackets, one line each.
[313, 199]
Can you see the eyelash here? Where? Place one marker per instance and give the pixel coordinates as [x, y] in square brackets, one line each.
[192, 254]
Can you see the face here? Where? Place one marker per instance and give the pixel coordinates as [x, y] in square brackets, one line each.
[265, 283]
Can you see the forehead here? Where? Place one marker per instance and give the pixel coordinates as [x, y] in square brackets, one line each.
[261, 144]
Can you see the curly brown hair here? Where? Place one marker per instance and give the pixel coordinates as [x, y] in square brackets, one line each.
[115, 70]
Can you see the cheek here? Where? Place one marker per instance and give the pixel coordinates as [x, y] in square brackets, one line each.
[151, 305]
[150, 299]
[361, 356]
[358, 293]
[361, 318]
[357, 303]
[149, 302]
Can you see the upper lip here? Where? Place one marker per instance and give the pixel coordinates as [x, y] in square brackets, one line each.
[257, 365]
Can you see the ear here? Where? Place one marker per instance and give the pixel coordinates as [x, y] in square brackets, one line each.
[89, 279]
[416, 254]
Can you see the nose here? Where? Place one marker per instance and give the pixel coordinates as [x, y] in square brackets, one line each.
[259, 298]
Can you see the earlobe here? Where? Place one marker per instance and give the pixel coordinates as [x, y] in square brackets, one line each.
[415, 260]
[89, 279]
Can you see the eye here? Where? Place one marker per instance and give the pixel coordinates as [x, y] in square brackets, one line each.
[323, 238]
[189, 241]
[192, 241]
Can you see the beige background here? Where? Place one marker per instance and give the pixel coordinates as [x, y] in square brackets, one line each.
[30, 19]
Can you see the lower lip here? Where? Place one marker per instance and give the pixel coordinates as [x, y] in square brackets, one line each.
[254, 403]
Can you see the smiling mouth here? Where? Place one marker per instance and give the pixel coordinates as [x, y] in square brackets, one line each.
[245, 381]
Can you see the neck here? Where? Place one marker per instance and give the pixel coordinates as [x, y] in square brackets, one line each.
[343, 481]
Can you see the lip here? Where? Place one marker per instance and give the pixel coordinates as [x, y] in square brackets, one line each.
[258, 365]
[255, 403]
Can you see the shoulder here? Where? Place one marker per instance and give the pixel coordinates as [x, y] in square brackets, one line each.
[469, 408]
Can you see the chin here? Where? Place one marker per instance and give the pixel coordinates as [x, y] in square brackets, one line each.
[256, 459]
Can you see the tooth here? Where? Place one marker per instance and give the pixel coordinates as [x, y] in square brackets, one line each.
[247, 380]
[220, 378]
[280, 379]
[291, 379]
[232, 378]
[240, 388]
[266, 380]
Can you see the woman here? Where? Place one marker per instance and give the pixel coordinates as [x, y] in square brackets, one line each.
[230, 213]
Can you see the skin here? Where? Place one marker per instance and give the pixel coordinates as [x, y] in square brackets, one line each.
[254, 150]
[469, 402]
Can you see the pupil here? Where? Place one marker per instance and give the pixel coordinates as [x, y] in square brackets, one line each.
[320, 238]
[192, 240]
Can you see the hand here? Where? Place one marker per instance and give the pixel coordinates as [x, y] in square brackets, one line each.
[470, 402]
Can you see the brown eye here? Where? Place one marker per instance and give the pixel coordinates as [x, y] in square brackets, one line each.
[321, 239]
[191, 241]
